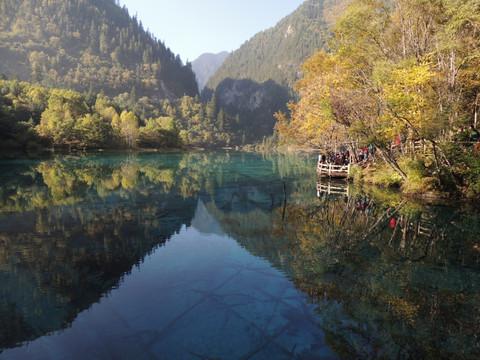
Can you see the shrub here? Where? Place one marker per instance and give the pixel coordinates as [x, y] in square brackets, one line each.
[419, 179]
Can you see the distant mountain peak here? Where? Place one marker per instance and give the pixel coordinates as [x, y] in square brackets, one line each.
[206, 65]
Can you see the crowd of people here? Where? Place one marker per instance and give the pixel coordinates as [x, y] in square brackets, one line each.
[344, 158]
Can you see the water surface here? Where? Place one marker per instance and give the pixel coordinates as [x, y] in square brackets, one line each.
[227, 256]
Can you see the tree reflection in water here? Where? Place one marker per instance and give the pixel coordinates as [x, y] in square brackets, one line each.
[390, 277]
[71, 227]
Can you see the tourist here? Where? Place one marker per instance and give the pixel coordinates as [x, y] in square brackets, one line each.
[475, 135]
[371, 149]
[393, 222]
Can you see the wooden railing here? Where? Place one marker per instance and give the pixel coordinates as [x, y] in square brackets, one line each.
[332, 170]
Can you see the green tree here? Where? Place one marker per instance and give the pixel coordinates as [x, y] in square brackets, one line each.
[160, 133]
[211, 108]
[58, 120]
[129, 128]
[92, 131]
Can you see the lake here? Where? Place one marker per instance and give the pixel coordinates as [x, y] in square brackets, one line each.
[228, 256]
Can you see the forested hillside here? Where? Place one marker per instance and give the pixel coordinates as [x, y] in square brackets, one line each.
[84, 74]
[88, 45]
[276, 53]
[256, 80]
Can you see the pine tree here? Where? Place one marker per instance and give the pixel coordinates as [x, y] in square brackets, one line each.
[211, 108]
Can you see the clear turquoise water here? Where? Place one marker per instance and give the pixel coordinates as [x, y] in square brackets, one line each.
[204, 256]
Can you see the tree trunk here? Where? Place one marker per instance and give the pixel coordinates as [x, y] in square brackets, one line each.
[475, 114]
[437, 166]
[392, 163]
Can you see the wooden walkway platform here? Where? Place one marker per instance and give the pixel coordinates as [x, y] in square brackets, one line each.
[332, 170]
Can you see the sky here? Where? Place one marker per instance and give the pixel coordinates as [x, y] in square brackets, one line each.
[193, 27]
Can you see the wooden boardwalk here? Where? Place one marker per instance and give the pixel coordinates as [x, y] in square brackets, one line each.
[332, 170]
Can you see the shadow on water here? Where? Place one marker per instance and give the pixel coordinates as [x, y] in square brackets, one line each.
[389, 277]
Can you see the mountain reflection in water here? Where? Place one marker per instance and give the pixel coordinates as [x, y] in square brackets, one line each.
[373, 275]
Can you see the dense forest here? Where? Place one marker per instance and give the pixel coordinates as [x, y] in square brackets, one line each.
[88, 45]
[398, 74]
[84, 74]
[34, 117]
[256, 80]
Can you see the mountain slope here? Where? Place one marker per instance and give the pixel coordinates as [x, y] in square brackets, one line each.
[272, 60]
[277, 52]
[88, 45]
[206, 65]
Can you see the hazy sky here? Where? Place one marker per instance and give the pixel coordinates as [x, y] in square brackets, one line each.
[193, 27]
